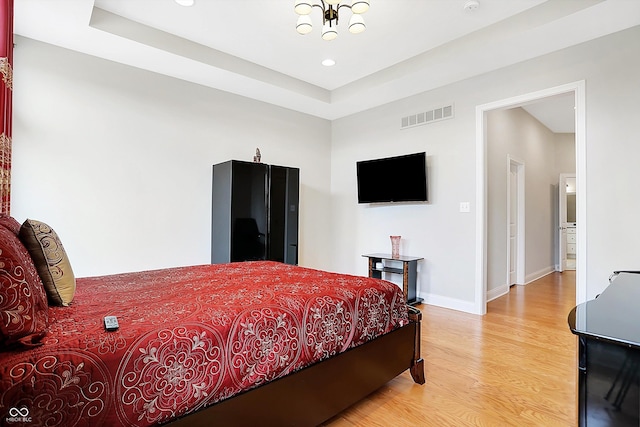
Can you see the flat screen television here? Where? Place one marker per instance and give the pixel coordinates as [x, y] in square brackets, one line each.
[393, 179]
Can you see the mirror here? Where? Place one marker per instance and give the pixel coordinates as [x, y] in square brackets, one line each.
[571, 200]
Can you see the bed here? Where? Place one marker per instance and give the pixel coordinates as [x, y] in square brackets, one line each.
[252, 343]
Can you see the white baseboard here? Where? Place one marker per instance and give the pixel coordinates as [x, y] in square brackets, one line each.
[497, 292]
[538, 274]
[446, 302]
[469, 306]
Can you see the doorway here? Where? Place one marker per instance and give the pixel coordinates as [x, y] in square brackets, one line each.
[567, 236]
[578, 90]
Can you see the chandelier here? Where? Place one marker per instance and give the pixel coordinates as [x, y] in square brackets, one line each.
[330, 12]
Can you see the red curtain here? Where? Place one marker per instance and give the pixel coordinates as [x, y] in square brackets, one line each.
[6, 89]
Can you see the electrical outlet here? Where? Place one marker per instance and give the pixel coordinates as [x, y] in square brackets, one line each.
[465, 207]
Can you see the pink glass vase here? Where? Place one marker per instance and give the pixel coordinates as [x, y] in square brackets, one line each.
[395, 246]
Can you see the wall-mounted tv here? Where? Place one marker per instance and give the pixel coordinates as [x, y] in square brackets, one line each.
[393, 179]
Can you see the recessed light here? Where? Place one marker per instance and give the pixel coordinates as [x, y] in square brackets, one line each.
[328, 62]
[185, 2]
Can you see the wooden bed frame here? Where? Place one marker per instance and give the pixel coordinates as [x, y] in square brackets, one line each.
[318, 392]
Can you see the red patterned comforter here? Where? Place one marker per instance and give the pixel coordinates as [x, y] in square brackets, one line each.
[188, 337]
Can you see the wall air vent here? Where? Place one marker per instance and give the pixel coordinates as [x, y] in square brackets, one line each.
[423, 118]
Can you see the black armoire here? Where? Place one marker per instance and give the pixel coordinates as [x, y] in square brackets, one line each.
[254, 212]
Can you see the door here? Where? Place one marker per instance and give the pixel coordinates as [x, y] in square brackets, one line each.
[283, 214]
[515, 222]
[277, 213]
[248, 211]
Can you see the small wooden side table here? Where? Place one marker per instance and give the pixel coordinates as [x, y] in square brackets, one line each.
[409, 273]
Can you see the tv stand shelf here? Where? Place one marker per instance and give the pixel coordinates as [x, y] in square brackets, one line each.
[409, 272]
[390, 270]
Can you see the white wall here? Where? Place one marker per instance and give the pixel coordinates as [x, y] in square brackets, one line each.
[118, 160]
[565, 155]
[438, 231]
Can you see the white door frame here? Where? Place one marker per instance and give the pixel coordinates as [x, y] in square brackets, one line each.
[520, 218]
[578, 88]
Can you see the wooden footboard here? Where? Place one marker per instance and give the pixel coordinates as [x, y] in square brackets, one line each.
[316, 393]
[417, 365]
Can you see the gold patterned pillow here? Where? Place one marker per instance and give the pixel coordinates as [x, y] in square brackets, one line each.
[50, 260]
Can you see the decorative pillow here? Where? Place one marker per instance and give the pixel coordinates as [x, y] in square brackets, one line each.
[23, 303]
[50, 260]
[10, 223]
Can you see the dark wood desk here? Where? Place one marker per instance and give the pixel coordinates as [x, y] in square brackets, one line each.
[409, 272]
[608, 329]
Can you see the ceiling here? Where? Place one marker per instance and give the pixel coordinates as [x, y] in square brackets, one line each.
[251, 48]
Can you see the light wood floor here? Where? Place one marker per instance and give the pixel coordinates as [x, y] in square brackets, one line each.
[516, 366]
